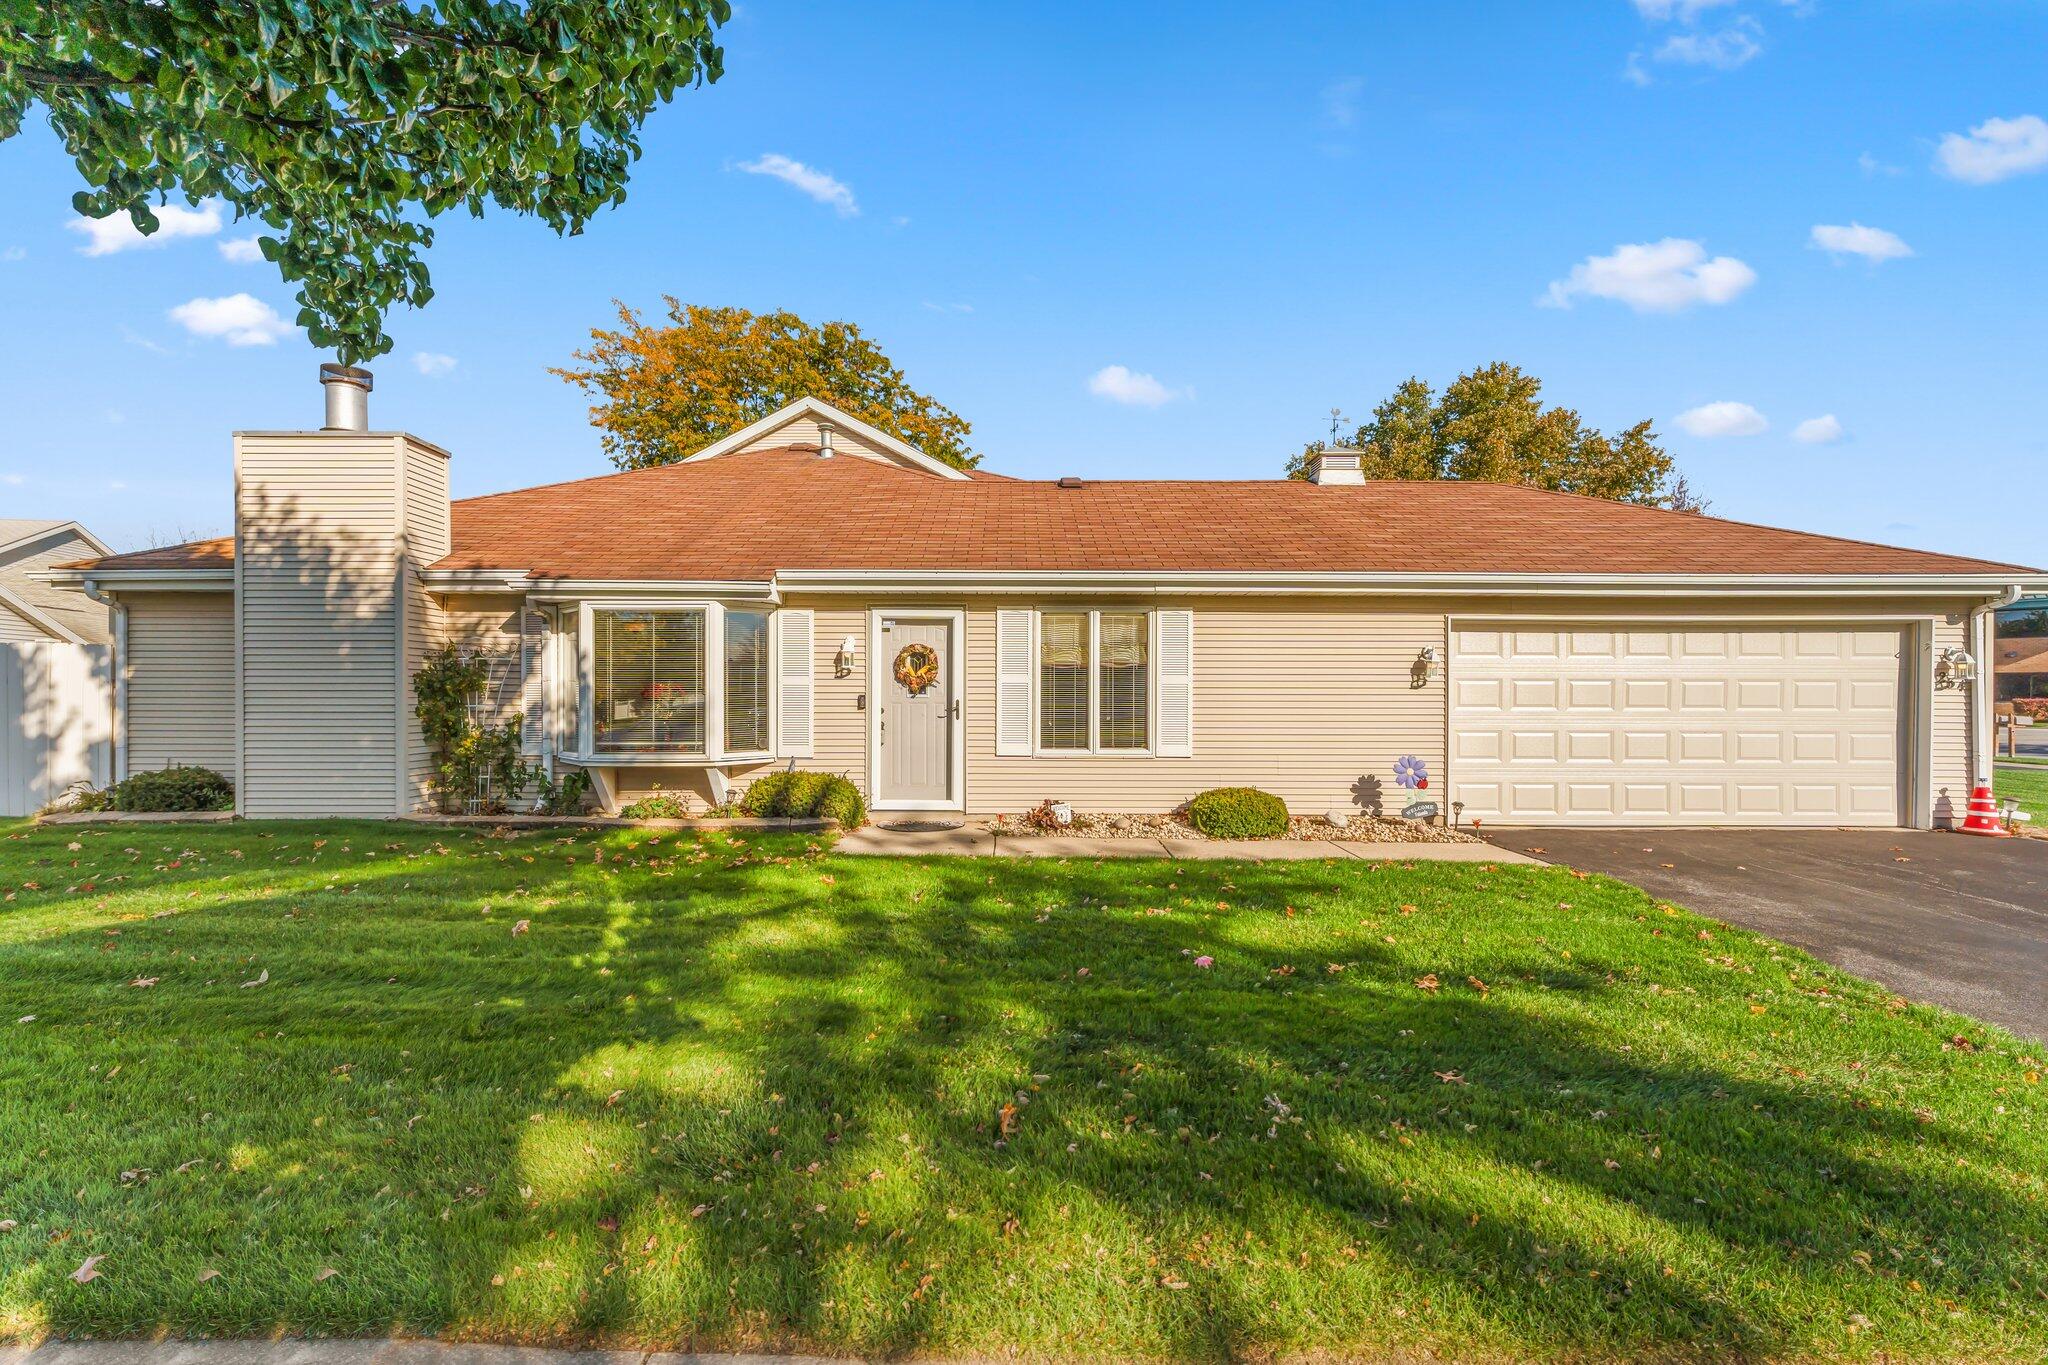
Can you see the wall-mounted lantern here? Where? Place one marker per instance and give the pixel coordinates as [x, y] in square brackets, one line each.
[1424, 670]
[1954, 668]
[842, 666]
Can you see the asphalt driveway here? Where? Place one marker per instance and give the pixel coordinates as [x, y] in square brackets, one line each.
[1947, 918]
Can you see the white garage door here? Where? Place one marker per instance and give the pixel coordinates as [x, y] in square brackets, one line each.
[1651, 725]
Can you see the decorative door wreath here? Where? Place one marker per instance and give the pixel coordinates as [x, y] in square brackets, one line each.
[917, 668]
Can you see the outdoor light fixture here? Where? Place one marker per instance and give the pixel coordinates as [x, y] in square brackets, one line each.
[843, 665]
[1424, 670]
[1954, 668]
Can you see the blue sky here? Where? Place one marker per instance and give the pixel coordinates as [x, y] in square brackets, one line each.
[1256, 214]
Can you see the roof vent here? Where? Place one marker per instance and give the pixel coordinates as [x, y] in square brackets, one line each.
[1071, 481]
[824, 442]
[348, 397]
[1338, 464]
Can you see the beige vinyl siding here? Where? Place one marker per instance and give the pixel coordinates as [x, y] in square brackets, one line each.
[180, 673]
[1949, 732]
[78, 613]
[316, 568]
[18, 629]
[426, 537]
[804, 432]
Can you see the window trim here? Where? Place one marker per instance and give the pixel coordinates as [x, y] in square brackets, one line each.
[1095, 747]
[715, 753]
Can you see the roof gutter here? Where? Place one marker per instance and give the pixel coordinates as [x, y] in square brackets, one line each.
[140, 580]
[1130, 583]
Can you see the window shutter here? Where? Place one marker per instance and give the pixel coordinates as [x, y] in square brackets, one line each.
[795, 651]
[1013, 683]
[533, 639]
[1175, 653]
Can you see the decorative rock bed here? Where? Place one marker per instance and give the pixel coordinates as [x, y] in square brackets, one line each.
[1360, 829]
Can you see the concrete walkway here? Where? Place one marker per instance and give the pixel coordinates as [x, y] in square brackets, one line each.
[341, 1352]
[978, 841]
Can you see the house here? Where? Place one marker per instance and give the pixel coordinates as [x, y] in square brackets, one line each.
[31, 608]
[56, 703]
[811, 590]
[2020, 656]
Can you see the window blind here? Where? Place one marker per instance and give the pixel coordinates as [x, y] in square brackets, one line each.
[1122, 690]
[1063, 680]
[648, 681]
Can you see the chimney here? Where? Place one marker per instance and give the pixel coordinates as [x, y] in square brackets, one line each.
[348, 397]
[1338, 464]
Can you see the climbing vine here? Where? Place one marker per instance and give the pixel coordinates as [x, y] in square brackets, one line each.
[473, 760]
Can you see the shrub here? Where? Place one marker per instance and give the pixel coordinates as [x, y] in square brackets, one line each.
[562, 795]
[802, 795]
[166, 789]
[2037, 707]
[658, 805]
[1238, 813]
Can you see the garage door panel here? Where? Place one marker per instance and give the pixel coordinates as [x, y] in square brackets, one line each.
[1696, 726]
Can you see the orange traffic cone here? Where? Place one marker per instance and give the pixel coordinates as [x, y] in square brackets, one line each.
[1983, 815]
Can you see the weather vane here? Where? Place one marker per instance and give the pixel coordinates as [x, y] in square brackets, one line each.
[1336, 420]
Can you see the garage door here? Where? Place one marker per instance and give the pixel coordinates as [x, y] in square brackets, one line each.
[1656, 726]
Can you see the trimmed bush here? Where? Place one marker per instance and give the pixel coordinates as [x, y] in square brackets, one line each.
[165, 789]
[1238, 813]
[804, 796]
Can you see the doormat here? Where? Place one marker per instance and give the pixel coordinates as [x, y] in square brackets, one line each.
[923, 826]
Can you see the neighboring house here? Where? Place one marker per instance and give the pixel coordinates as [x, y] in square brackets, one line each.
[1119, 645]
[56, 697]
[32, 609]
[2021, 661]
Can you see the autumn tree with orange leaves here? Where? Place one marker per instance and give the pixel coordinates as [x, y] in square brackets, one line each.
[662, 391]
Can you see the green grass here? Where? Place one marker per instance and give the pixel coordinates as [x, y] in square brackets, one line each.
[2031, 788]
[739, 1092]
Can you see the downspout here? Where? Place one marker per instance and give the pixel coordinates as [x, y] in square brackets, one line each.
[1983, 735]
[119, 612]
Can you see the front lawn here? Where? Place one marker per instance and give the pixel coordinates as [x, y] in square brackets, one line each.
[614, 1086]
[2030, 788]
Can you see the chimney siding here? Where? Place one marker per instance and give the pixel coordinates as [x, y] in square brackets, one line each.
[331, 530]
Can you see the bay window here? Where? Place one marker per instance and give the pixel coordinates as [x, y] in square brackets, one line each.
[683, 682]
[1094, 682]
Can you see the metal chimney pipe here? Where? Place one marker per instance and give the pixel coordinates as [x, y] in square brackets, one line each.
[348, 397]
[824, 442]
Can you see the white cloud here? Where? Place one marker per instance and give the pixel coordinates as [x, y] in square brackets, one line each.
[14, 253]
[1870, 165]
[1872, 244]
[1340, 101]
[1635, 73]
[1818, 431]
[930, 306]
[1687, 10]
[1722, 419]
[1996, 149]
[117, 233]
[1654, 277]
[432, 363]
[13, 480]
[1724, 51]
[241, 250]
[811, 181]
[238, 319]
[1122, 385]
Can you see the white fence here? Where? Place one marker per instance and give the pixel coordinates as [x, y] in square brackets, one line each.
[56, 721]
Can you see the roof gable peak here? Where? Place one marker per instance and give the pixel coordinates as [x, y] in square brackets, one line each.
[756, 434]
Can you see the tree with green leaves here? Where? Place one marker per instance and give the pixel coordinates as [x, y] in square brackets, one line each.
[341, 124]
[664, 391]
[1490, 424]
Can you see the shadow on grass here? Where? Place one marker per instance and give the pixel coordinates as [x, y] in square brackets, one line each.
[745, 1098]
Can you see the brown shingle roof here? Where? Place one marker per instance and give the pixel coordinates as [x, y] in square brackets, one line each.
[748, 516]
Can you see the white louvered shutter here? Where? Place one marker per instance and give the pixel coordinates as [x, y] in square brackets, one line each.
[795, 650]
[1013, 683]
[533, 640]
[1174, 649]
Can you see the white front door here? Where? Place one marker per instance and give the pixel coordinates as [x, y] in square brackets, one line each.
[917, 710]
[1744, 723]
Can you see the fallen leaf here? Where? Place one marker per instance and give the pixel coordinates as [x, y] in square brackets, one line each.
[326, 1272]
[88, 1270]
[521, 928]
[1170, 1282]
[1476, 984]
[208, 1274]
[262, 977]
[1451, 1078]
[1427, 982]
[145, 981]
